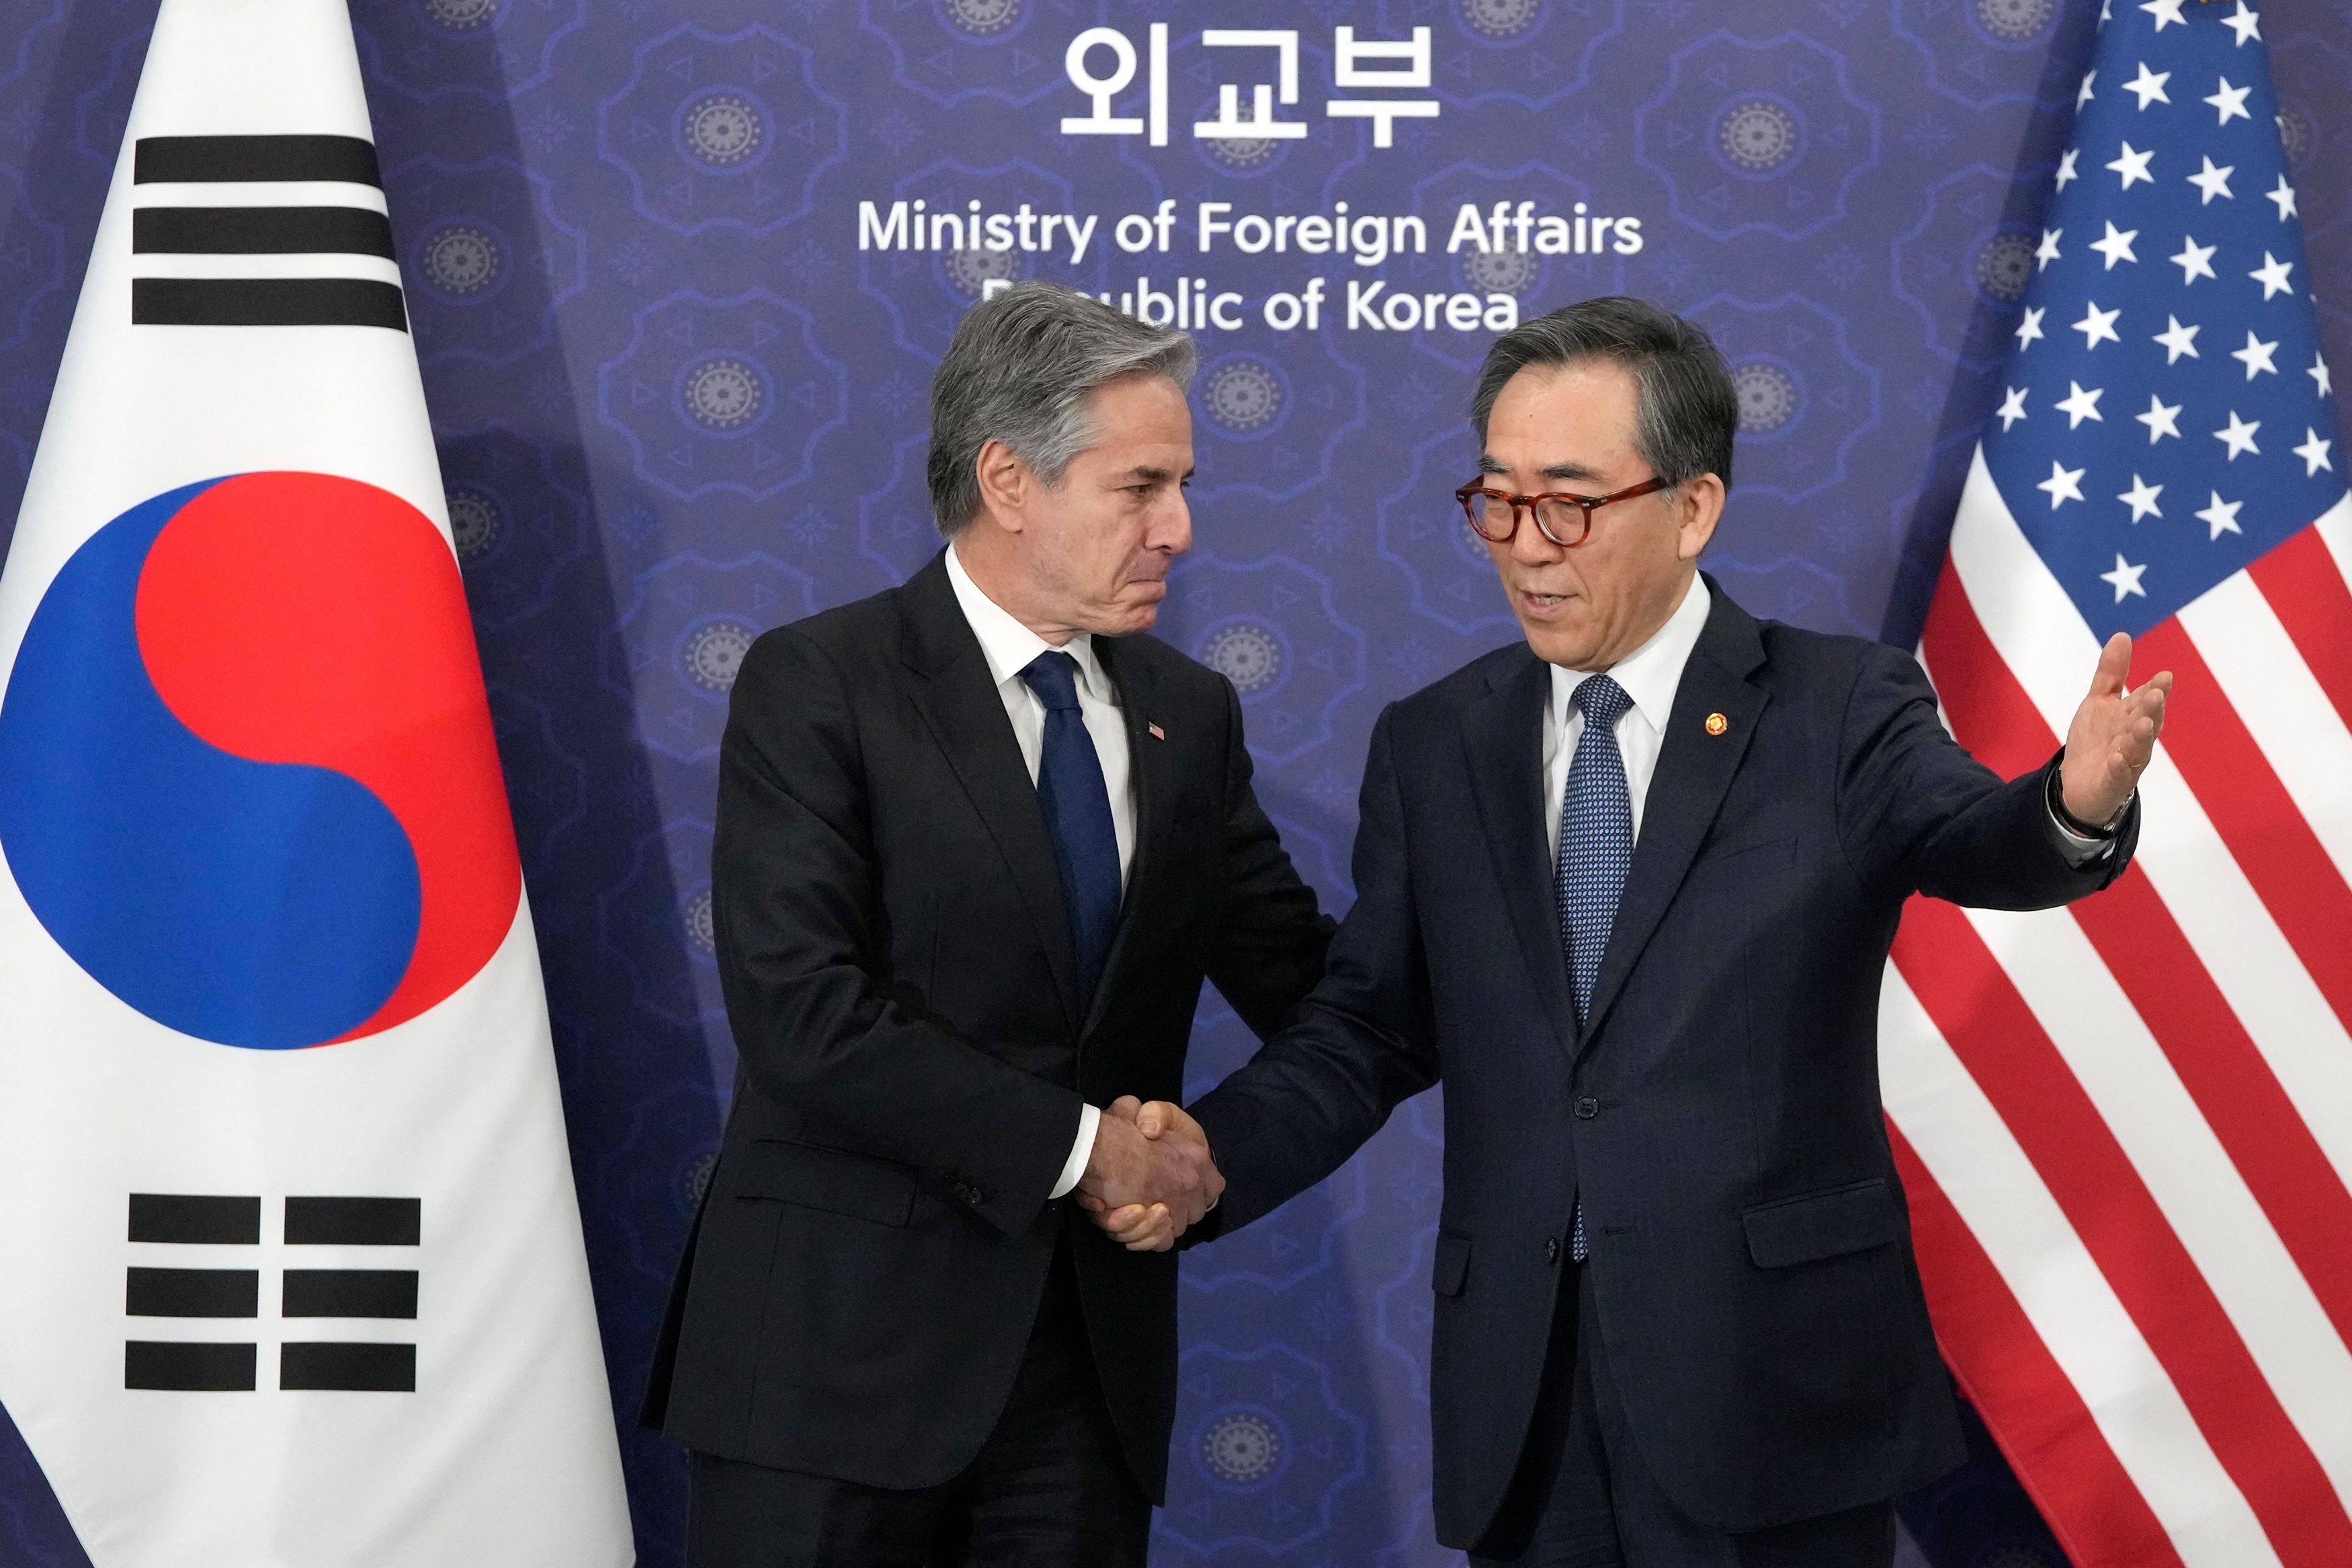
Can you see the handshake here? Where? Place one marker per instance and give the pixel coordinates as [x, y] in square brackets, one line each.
[1149, 1178]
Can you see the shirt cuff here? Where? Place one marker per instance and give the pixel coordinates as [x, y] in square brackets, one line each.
[2079, 850]
[1089, 1119]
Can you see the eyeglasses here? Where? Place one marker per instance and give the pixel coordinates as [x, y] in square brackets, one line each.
[1566, 519]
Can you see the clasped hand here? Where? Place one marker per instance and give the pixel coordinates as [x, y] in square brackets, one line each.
[1149, 1178]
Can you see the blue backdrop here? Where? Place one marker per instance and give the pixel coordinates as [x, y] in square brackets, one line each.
[677, 403]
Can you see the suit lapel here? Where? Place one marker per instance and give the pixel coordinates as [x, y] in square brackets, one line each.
[1147, 760]
[1695, 770]
[1503, 733]
[966, 716]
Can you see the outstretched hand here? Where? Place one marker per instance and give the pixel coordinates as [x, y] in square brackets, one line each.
[1146, 1201]
[2113, 737]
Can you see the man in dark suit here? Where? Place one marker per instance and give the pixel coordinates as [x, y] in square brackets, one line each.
[1629, 887]
[979, 842]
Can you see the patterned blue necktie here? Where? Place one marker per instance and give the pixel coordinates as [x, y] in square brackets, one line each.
[1596, 847]
[1076, 804]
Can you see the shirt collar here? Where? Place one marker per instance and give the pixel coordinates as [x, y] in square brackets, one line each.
[1007, 644]
[1651, 673]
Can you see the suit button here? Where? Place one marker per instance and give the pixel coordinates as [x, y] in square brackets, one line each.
[970, 1194]
[1587, 1107]
[1551, 1248]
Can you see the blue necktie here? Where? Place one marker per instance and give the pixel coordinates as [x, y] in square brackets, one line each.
[1076, 804]
[1596, 847]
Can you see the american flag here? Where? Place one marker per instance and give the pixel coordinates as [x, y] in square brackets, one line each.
[2127, 1127]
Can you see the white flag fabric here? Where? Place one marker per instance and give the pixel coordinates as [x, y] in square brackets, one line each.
[290, 1261]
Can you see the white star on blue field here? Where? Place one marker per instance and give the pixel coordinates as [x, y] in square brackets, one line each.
[2166, 417]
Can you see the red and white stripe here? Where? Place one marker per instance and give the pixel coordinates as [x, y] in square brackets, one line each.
[2125, 1127]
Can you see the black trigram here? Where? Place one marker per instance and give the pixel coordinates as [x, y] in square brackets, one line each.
[311, 229]
[187, 1219]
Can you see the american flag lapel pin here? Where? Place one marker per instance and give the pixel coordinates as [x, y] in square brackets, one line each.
[1157, 733]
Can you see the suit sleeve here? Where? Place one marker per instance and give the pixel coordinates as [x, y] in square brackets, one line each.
[1363, 1043]
[1268, 936]
[804, 955]
[1918, 813]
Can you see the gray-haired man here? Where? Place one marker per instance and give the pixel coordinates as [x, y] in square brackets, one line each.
[979, 842]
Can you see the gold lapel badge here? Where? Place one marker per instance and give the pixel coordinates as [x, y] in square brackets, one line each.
[1157, 733]
[1716, 724]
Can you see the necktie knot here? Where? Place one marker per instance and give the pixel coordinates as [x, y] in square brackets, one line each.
[1601, 701]
[1053, 676]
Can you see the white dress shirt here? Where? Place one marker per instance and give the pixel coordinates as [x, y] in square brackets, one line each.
[1650, 675]
[1009, 647]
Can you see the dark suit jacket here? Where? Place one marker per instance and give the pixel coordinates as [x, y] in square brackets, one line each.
[899, 975]
[1719, 1111]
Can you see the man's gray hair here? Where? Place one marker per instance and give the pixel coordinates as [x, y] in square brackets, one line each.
[1022, 369]
[1686, 410]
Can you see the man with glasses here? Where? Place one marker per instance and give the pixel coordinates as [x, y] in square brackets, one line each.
[1628, 888]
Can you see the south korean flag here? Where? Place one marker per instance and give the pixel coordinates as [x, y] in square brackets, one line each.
[293, 1271]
